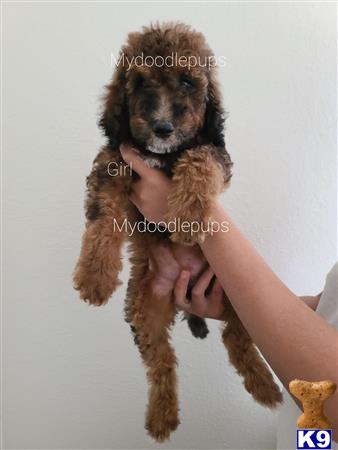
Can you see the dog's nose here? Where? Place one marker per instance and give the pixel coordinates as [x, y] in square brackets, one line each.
[163, 129]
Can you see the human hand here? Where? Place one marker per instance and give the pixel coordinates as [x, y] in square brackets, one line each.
[210, 305]
[149, 193]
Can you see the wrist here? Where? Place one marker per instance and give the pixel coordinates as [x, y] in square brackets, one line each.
[219, 222]
[218, 212]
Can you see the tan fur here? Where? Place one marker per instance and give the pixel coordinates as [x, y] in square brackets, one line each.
[197, 181]
[151, 318]
[244, 356]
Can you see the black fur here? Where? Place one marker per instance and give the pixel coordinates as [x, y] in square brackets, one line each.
[198, 326]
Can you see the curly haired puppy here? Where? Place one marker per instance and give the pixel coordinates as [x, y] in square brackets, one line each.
[173, 116]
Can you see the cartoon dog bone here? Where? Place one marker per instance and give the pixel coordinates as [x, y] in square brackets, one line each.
[312, 396]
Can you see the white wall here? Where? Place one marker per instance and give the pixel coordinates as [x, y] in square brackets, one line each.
[72, 376]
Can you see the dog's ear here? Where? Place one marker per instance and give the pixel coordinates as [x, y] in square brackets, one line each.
[114, 120]
[214, 115]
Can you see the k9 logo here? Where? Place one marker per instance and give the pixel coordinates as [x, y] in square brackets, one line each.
[314, 438]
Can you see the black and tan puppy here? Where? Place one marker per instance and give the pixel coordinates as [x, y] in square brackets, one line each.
[173, 116]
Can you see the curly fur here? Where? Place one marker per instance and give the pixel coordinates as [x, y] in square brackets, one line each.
[196, 158]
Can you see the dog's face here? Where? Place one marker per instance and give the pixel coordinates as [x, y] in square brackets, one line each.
[166, 106]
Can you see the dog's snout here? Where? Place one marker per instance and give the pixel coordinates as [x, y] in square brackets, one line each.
[163, 129]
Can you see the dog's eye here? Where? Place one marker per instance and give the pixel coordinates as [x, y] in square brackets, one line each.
[186, 82]
[179, 110]
[142, 82]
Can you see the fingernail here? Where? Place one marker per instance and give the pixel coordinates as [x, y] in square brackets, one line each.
[185, 274]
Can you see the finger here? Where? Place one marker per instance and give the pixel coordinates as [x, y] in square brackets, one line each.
[202, 284]
[134, 160]
[217, 290]
[135, 188]
[134, 199]
[180, 291]
[136, 194]
[216, 295]
[216, 302]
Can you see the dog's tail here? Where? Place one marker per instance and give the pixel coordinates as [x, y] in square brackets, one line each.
[197, 325]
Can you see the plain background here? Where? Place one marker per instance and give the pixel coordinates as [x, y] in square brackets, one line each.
[72, 376]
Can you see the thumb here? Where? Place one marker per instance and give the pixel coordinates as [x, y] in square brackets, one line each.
[134, 160]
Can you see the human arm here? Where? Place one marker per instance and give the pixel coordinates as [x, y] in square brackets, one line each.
[311, 300]
[296, 341]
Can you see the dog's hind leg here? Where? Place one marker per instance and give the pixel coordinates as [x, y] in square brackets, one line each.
[159, 358]
[244, 356]
[151, 316]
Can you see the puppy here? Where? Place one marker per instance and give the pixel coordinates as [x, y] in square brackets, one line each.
[174, 118]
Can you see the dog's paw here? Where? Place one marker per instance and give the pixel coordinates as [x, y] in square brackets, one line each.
[162, 424]
[188, 237]
[94, 288]
[269, 395]
[263, 388]
[192, 223]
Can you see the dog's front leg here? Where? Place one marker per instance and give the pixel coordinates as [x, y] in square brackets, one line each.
[96, 273]
[199, 176]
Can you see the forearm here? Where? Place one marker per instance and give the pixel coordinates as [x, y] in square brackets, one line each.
[295, 340]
